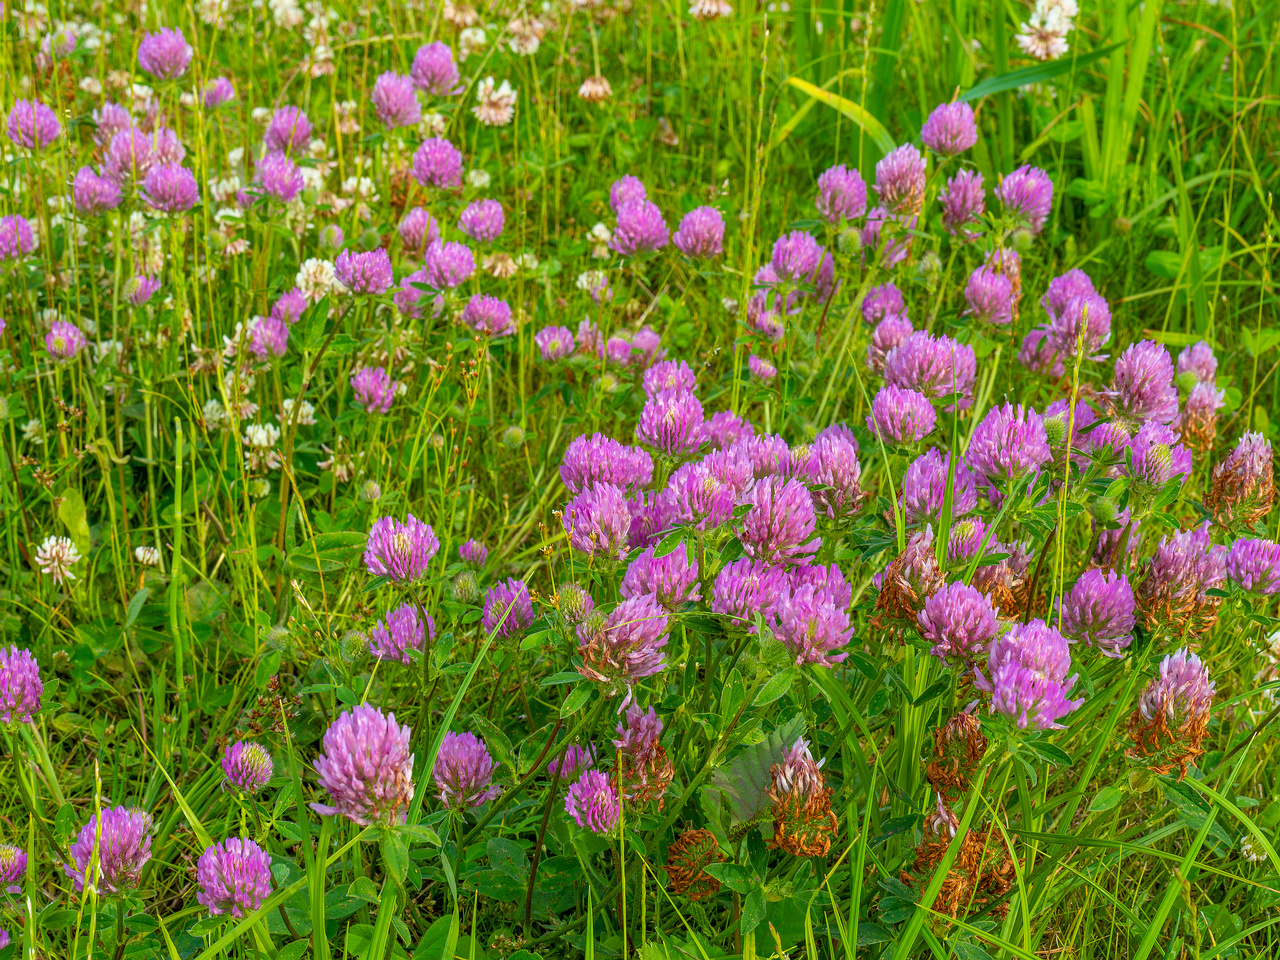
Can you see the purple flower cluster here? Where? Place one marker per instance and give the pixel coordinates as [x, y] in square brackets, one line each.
[20, 686]
[366, 767]
[403, 629]
[170, 188]
[781, 522]
[1143, 387]
[464, 772]
[373, 388]
[165, 54]
[900, 181]
[890, 332]
[234, 875]
[94, 194]
[395, 101]
[901, 415]
[938, 367]
[1027, 195]
[16, 237]
[671, 422]
[598, 521]
[33, 125]
[508, 609]
[812, 620]
[1181, 694]
[399, 551]
[960, 623]
[924, 486]
[247, 766]
[625, 646]
[288, 131]
[488, 316]
[482, 220]
[572, 763]
[1255, 565]
[671, 579]
[434, 71]
[842, 194]
[448, 264]
[951, 129]
[1008, 443]
[602, 459]
[1028, 681]
[593, 803]
[700, 234]
[1078, 315]
[64, 340]
[119, 844]
[964, 202]
[437, 163]
[989, 296]
[640, 228]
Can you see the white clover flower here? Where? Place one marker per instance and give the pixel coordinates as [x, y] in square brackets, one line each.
[33, 432]
[470, 40]
[1254, 854]
[433, 124]
[214, 414]
[147, 556]
[589, 280]
[286, 13]
[55, 558]
[479, 179]
[315, 279]
[709, 9]
[261, 439]
[600, 236]
[306, 412]
[224, 190]
[495, 104]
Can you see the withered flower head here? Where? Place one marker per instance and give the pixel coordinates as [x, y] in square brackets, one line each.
[983, 871]
[958, 749]
[908, 581]
[1172, 717]
[803, 822]
[1244, 484]
[687, 860]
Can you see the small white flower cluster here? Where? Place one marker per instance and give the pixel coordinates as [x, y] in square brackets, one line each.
[1254, 854]
[260, 440]
[495, 104]
[56, 556]
[1044, 35]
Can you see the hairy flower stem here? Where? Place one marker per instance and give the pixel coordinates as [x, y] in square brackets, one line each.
[498, 805]
[1035, 577]
[557, 766]
[119, 931]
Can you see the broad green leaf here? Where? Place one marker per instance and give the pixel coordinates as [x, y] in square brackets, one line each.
[576, 700]
[774, 688]
[745, 779]
[669, 542]
[1164, 263]
[508, 857]
[753, 909]
[1036, 74]
[135, 606]
[395, 856]
[1108, 798]
[72, 514]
